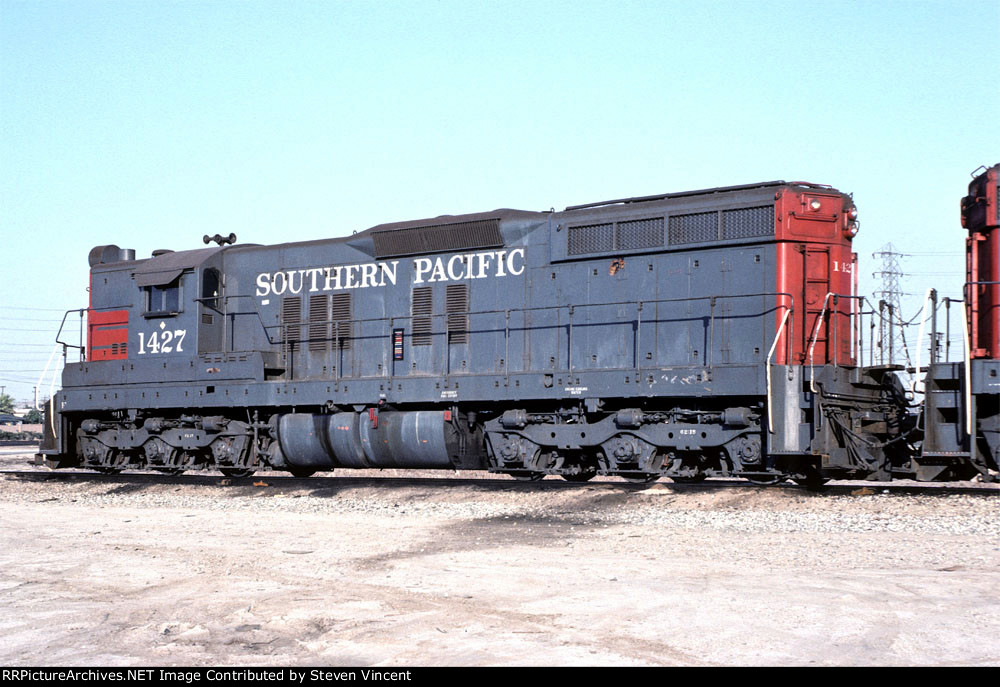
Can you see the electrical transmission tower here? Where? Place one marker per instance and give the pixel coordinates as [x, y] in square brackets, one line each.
[893, 336]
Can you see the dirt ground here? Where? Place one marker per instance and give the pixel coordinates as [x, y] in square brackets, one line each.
[387, 572]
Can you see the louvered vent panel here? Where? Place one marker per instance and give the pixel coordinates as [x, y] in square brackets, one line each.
[319, 323]
[748, 222]
[435, 238]
[457, 305]
[591, 238]
[342, 327]
[640, 233]
[694, 228]
[421, 307]
[291, 319]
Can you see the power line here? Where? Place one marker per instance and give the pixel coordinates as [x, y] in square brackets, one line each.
[28, 345]
[15, 307]
[15, 329]
[16, 371]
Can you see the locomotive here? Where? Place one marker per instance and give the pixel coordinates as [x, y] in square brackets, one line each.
[715, 332]
[961, 435]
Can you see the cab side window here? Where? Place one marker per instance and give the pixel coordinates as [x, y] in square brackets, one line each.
[163, 300]
[211, 289]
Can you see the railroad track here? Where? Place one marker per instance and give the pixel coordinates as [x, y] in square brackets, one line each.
[338, 482]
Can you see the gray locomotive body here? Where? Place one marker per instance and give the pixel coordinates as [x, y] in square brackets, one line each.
[703, 333]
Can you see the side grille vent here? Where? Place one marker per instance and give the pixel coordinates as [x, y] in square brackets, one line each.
[319, 323]
[343, 328]
[435, 238]
[695, 228]
[627, 235]
[591, 238]
[421, 308]
[640, 233]
[748, 222]
[291, 322]
[457, 305]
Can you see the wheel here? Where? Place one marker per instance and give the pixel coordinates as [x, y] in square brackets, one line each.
[236, 473]
[642, 479]
[766, 481]
[118, 462]
[579, 477]
[527, 476]
[302, 472]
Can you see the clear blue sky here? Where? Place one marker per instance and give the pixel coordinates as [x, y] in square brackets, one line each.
[149, 124]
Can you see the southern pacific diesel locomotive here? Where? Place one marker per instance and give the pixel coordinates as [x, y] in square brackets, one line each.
[708, 333]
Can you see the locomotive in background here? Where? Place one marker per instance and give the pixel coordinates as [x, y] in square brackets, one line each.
[709, 333]
[962, 400]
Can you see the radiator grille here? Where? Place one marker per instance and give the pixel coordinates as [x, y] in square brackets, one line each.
[591, 238]
[748, 222]
[319, 323]
[640, 233]
[342, 327]
[421, 308]
[457, 306]
[694, 228]
[483, 233]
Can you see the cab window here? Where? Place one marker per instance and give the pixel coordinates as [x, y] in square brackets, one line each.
[163, 300]
[211, 289]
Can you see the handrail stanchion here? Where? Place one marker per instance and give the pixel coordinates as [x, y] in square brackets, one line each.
[767, 365]
[711, 334]
[968, 384]
[506, 346]
[570, 344]
[638, 335]
[920, 338]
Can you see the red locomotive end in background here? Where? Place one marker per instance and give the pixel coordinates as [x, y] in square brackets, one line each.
[981, 218]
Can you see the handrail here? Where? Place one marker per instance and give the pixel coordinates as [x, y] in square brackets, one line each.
[639, 304]
[968, 382]
[774, 344]
[62, 324]
[815, 334]
[920, 338]
[786, 302]
[41, 377]
[304, 323]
